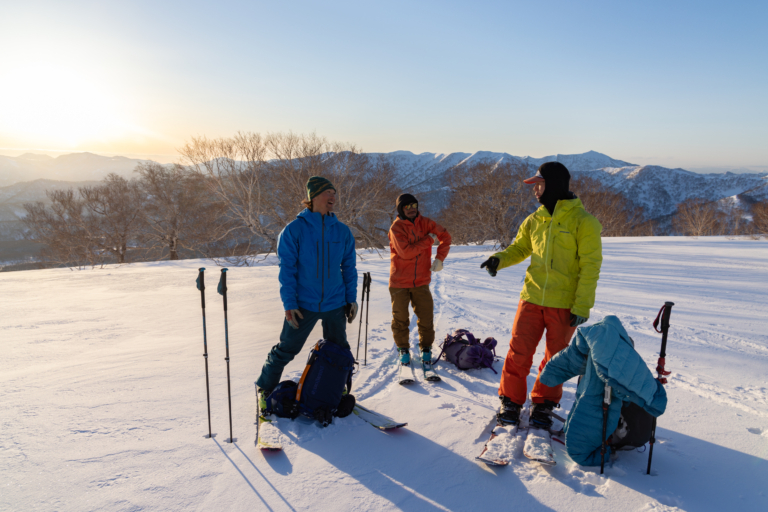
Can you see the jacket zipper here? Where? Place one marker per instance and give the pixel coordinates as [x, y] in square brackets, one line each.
[322, 277]
[546, 251]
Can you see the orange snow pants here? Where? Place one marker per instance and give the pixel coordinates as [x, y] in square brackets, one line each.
[530, 322]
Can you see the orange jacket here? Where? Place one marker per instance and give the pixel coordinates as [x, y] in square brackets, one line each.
[411, 251]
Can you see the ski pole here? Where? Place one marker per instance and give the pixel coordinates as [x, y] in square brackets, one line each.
[201, 286]
[367, 309]
[222, 289]
[362, 305]
[664, 313]
[606, 404]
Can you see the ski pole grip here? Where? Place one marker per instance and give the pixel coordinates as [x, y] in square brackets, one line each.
[201, 285]
[222, 289]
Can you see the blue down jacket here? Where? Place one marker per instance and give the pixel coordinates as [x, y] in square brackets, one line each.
[602, 353]
[317, 263]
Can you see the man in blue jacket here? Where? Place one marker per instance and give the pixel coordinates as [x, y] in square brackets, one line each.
[318, 281]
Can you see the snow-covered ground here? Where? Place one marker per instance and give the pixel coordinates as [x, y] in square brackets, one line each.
[103, 392]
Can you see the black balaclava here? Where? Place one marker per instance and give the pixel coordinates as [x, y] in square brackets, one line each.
[403, 200]
[557, 180]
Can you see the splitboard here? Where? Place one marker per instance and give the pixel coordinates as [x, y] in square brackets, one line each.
[267, 434]
[405, 374]
[377, 420]
[538, 446]
[429, 374]
[499, 450]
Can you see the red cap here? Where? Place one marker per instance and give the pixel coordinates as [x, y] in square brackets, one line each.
[535, 178]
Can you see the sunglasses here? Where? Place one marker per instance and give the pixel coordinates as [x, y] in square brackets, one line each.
[411, 206]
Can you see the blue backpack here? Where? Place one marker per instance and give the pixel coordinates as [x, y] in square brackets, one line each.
[320, 393]
[466, 352]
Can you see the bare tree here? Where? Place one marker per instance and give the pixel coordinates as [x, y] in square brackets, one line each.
[617, 213]
[698, 217]
[760, 217]
[179, 212]
[115, 213]
[261, 180]
[64, 229]
[488, 201]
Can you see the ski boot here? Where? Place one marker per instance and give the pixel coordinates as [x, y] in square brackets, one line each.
[509, 412]
[405, 356]
[426, 366]
[426, 360]
[541, 414]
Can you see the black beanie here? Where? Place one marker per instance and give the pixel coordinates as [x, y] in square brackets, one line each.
[404, 200]
[558, 180]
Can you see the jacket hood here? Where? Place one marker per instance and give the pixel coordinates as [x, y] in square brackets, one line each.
[316, 219]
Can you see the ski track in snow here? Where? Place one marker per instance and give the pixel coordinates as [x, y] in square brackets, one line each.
[111, 404]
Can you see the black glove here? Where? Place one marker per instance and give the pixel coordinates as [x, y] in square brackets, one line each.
[577, 320]
[491, 265]
[350, 310]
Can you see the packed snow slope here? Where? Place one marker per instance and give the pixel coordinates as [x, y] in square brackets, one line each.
[104, 406]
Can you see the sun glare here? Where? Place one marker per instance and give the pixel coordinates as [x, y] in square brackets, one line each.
[58, 107]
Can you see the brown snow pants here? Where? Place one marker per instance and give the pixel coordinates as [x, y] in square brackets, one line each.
[530, 322]
[423, 306]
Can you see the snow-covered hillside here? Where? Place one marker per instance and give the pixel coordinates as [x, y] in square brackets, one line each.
[103, 392]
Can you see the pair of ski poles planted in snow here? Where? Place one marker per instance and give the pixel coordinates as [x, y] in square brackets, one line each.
[222, 289]
[364, 304]
[664, 313]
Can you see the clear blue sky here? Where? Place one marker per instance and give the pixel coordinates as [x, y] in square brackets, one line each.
[671, 83]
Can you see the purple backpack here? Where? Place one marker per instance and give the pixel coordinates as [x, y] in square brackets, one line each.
[463, 350]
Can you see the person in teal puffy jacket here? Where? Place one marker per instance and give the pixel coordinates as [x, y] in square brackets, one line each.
[602, 353]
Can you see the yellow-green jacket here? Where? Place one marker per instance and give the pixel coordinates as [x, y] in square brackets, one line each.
[566, 254]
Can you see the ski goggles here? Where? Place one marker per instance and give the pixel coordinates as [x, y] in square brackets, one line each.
[411, 206]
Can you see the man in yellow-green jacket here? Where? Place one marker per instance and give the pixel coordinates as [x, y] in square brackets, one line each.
[563, 241]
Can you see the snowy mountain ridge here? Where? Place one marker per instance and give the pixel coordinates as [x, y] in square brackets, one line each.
[657, 189]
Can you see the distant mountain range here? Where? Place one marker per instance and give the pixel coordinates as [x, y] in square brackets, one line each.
[72, 167]
[657, 189]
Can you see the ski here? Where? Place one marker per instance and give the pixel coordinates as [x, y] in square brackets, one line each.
[267, 434]
[499, 450]
[429, 374]
[538, 446]
[376, 420]
[405, 374]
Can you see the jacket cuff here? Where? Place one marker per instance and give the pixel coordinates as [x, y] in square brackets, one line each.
[583, 312]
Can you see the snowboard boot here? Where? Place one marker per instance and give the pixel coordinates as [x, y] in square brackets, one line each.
[263, 402]
[509, 412]
[541, 414]
[405, 356]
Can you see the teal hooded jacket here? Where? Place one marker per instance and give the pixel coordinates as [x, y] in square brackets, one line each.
[604, 354]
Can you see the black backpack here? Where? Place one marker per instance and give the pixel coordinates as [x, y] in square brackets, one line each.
[323, 390]
[634, 429]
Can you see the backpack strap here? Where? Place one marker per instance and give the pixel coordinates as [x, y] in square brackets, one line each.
[306, 371]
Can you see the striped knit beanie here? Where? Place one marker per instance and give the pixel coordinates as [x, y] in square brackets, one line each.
[316, 185]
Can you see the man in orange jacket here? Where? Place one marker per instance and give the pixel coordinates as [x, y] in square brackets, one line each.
[410, 271]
